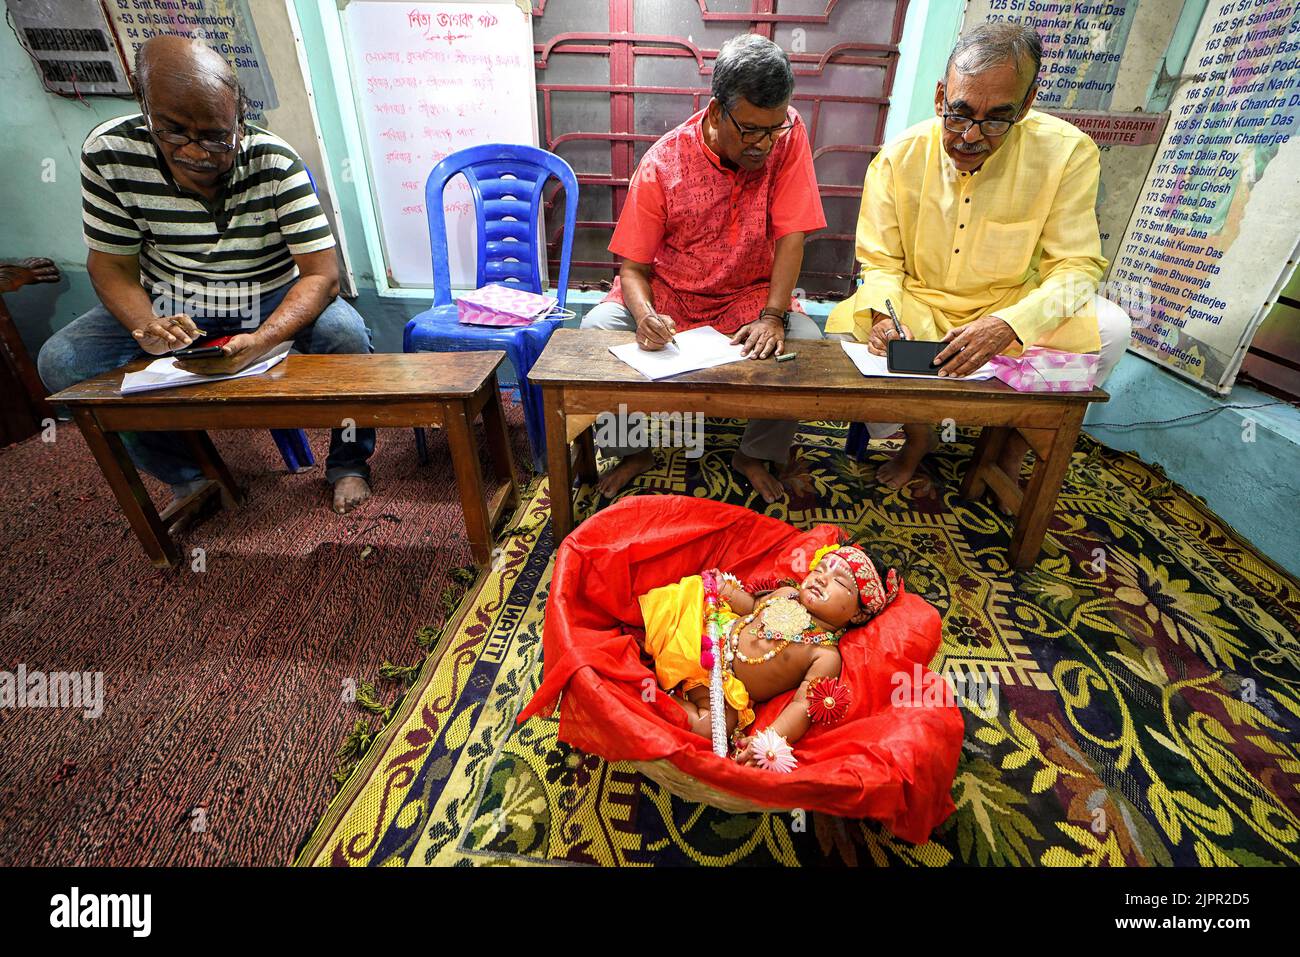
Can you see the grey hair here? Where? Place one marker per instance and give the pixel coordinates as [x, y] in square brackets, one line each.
[983, 47]
[754, 68]
[227, 78]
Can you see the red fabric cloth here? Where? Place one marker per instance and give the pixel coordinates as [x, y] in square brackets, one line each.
[710, 231]
[893, 764]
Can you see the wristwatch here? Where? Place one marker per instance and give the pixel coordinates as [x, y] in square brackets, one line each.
[776, 313]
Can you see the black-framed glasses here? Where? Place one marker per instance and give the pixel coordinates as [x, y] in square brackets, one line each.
[174, 138]
[756, 134]
[957, 123]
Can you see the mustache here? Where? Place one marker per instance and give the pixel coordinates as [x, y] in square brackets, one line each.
[972, 148]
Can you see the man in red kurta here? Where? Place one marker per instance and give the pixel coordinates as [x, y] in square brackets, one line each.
[712, 233]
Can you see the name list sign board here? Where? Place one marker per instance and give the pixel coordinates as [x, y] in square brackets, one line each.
[1096, 55]
[224, 25]
[430, 79]
[1217, 226]
[1128, 143]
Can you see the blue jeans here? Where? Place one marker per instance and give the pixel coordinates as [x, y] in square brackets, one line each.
[96, 342]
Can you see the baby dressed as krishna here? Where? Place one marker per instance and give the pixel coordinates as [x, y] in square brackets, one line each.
[772, 643]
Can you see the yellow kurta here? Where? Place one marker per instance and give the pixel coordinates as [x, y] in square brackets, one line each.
[1017, 239]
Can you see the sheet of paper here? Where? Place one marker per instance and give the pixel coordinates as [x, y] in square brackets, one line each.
[700, 348]
[873, 365]
[164, 374]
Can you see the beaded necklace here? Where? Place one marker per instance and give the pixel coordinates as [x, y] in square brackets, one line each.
[783, 620]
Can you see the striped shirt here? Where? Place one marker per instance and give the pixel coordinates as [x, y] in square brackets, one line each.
[206, 256]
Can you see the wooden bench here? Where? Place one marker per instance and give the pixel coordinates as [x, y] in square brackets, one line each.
[445, 390]
[580, 379]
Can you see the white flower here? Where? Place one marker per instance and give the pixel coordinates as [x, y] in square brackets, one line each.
[773, 752]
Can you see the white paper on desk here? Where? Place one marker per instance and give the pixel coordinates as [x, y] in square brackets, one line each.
[873, 365]
[163, 373]
[701, 348]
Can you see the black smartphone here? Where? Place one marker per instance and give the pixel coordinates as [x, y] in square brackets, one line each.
[210, 350]
[913, 356]
[199, 352]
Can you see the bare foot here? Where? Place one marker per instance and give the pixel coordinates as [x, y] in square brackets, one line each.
[1011, 461]
[628, 468]
[766, 484]
[920, 442]
[349, 492]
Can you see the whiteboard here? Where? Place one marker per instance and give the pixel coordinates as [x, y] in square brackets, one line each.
[429, 79]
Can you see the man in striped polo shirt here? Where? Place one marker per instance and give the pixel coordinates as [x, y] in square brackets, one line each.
[200, 225]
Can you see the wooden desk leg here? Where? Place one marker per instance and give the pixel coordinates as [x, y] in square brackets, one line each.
[1044, 486]
[473, 496]
[214, 467]
[498, 439]
[557, 464]
[586, 445]
[115, 462]
[987, 449]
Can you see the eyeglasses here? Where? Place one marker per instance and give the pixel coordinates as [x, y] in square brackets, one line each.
[173, 138]
[956, 123]
[751, 135]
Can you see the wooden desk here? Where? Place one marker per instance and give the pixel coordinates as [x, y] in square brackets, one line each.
[580, 379]
[447, 390]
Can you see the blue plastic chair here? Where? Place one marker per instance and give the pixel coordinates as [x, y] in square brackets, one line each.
[506, 182]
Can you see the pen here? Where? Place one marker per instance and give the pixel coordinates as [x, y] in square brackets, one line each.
[898, 326]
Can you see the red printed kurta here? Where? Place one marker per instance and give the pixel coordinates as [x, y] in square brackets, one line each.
[709, 231]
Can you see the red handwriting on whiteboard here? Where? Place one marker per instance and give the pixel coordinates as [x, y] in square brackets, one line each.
[398, 108]
[413, 210]
[392, 133]
[410, 184]
[424, 56]
[393, 156]
[461, 208]
[455, 19]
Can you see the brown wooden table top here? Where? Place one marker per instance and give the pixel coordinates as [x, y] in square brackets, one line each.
[582, 357]
[384, 375]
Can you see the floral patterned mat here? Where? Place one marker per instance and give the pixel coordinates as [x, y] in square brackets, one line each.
[1141, 706]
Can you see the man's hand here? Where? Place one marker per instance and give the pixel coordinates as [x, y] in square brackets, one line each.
[882, 331]
[241, 351]
[166, 333]
[761, 338]
[973, 345]
[654, 331]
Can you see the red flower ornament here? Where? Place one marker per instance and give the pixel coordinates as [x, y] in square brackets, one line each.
[828, 700]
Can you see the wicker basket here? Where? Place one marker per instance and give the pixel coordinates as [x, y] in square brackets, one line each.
[688, 788]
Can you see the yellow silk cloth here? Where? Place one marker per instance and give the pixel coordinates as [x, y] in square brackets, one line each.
[1017, 239]
[674, 622]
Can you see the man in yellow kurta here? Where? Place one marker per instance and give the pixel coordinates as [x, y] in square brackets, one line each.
[979, 227]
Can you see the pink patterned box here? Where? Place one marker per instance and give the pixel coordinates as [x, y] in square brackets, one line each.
[498, 305]
[1047, 370]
